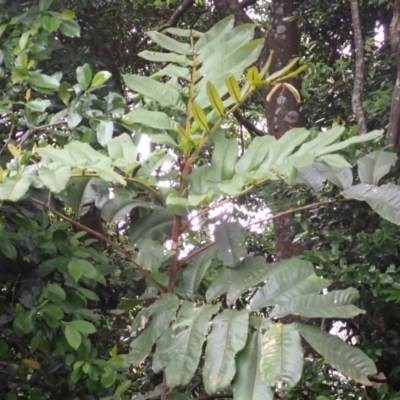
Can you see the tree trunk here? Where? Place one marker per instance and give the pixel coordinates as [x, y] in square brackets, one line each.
[282, 111]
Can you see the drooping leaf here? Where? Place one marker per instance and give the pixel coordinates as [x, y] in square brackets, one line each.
[164, 94]
[229, 242]
[385, 199]
[223, 160]
[293, 278]
[310, 177]
[282, 355]
[341, 177]
[347, 359]
[194, 272]
[55, 176]
[233, 88]
[186, 347]
[117, 208]
[336, 304]
[162, 312]
[200, 117]
[373, 166]
[249, 384]
[227, 338]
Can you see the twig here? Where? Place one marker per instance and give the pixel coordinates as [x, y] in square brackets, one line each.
[106, 239]
[39, 128]
[359, 69]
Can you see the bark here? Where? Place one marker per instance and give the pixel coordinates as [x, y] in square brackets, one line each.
[359, 69]
[282, 111]
[228, 7]
[393, 134]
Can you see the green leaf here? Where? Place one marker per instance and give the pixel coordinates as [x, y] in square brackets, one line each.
[150, 254]
[44, 4]
[162, 312]
[254, 155]
[73, 337]
[215, 99]
[385, 199]
[293, 278]
[100, 78]
[195, 271]
[24, 322]
[184, 32]
[166, 95]
[323, 139]
[229, 242]
[122, 387]
[223, 160]
[334, 160]
[348, 360]
[84, 76]
[104, 132]
[174, 71]
[282, 355]
[152, 119]
[43, 81]
[54, 311]
[168, 43]
[200, 117]
[341, 177]
[55, 176]
[70, 28]
[83, 326]
[50, 23]
[75, 270]
[38, 105]
[249, 384]
[336, 304]
[233, 88]
[118, 208]
[156, 225]
[8, 249]
[375, 165]
[67, 14]
[354, 139]
[13, 190]
[54, 293]
[164, 57]
[184, 352]
[122, 148]
[227, 338]
[212, 35]
[108, 376]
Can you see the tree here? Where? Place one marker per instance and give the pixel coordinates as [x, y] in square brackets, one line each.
[167, 262]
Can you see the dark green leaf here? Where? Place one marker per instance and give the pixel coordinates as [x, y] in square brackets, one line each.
[24, 322]
[70, 28]
[73, 337]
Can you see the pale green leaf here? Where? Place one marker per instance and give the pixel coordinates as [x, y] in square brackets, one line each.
[385, 200]
[341, 177]
[282, 355]
[186, 347]
[14, 189]
[43, 81]
[70, 28]
[229, 242]
[100, 78]
[169, 43]
[293, 278]
[195, 271]
[334, 160]
[223, 160]
[152, 119]
[166, 95]
[224, 25]
[200, 117]
[336, 304]
[184, 32]
[55, 176]
[162, 312]
[164, 57]
[122, 148]
[118, 208]
[104, 131]
[373, 166]
[84, 75]
[249, 384]
[348, 360]
[215, 99]
[227, 338]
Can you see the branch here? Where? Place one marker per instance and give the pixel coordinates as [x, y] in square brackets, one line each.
[106, 239]
[177, 14]
[359, 69]
[247, 3]
[248, 124]
[267, 219]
